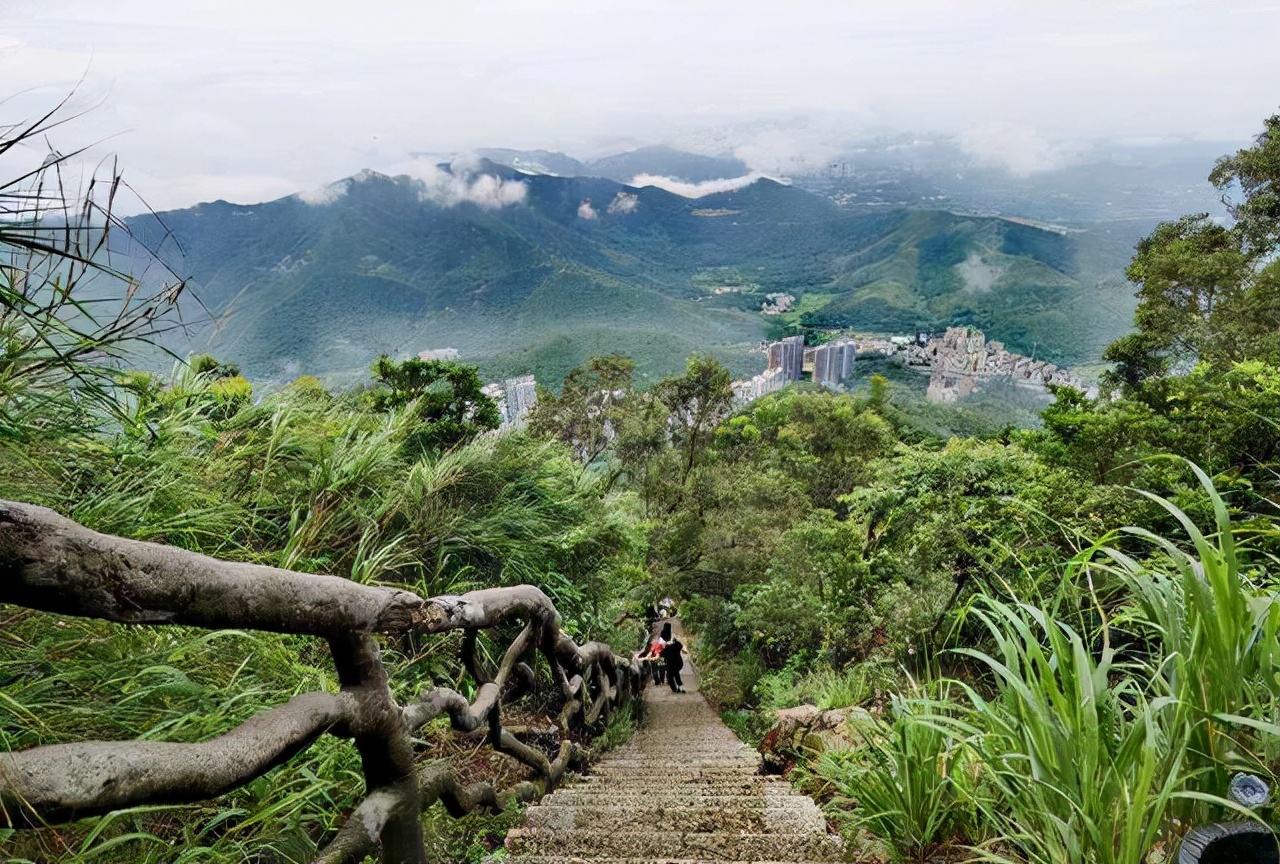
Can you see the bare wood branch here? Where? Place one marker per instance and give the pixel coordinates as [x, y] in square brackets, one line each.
[357, 839]
[61, 782]
[471, 657]
[386, 750]
[48, 562]
[523, 683]
[358, 836]
[600, 705]
[462, 717]
[487, 607]
[51, 563]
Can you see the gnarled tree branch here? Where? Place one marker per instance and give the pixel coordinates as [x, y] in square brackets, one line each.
[50, 563]
[61, 782]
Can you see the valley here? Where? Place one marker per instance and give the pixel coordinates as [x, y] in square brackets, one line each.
[536, 282]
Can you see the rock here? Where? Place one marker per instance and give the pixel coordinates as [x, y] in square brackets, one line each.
[806, 730]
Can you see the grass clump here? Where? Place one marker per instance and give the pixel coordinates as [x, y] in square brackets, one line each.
[905, 784]
[1092, 729]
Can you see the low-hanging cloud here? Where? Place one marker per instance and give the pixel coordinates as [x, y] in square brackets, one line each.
[458, 183]
[1019, 149]
[586, 211]
[686, 189]
[623, 203]
[325, 194]
[789, 151]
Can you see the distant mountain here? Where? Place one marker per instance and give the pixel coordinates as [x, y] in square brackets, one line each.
[666, 162]
[530, 272]
[622, 167]
[535, 161]
[1113, 182]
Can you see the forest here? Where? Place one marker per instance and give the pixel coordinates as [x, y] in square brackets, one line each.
[1052, 645]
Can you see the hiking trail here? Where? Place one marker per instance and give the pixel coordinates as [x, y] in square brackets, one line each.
[683, 790]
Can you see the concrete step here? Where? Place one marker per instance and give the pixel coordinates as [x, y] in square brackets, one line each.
[700, 736]
[683, 790]
[577, 797]
[651, 755]
[745, 785]
[645, 759]
[724, 845]
[627, 793]
[675, 776]
[574, 859]
[675, 772]
[657, 766]
[677, 754]
[788, 816]
[656, 750]
[677, 796]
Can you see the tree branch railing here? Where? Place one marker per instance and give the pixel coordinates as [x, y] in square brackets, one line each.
[52, 564]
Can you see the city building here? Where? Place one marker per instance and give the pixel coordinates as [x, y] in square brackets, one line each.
[769, 381]
[788, 355]
[522, 395]
[833, 362]
[515, 398]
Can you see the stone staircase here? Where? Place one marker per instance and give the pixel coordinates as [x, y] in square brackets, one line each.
[684, 790]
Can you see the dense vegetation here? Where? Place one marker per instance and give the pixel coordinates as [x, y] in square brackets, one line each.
[1057, 645]
[391, 483]
[1061, 641]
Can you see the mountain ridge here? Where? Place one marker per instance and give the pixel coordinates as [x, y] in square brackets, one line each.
[402, 264]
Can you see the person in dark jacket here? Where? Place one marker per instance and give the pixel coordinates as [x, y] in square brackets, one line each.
[671, 655]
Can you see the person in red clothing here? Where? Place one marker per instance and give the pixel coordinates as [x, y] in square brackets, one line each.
[653, 655]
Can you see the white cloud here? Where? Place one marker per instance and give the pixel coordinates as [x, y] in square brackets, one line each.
[326, 194]
[1019, 149]
[456, 184]
[623, 202]
[586, 211]
[788, 152]
[307, 92]
[696, 190]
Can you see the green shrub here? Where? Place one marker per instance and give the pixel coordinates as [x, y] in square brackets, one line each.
[1081, 765]
[902, 780]
[1210, 624]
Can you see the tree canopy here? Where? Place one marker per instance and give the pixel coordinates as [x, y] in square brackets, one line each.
[1209, 292]
[442, 395]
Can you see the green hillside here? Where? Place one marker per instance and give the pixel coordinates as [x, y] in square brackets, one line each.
[536, 287]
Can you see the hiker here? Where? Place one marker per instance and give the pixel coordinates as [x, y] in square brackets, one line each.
[671, 654]
[653, 656]
[651, 617]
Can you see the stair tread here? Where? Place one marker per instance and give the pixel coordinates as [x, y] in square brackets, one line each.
[713, 844]
[683, 790]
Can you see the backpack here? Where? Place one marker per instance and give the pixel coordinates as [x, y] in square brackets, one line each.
[671, 654]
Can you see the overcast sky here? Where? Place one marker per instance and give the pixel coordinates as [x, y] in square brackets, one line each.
[253, 99]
